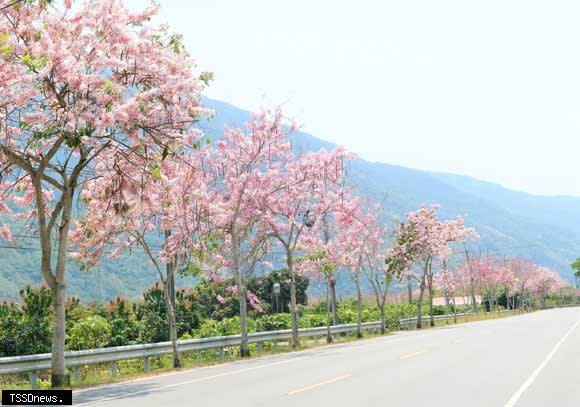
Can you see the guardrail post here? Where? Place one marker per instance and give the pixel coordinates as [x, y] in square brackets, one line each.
[221, 352]
[275, 344]
[33, 380]
[114, 369]
[146, 365]
[259, 346]
[77, 373]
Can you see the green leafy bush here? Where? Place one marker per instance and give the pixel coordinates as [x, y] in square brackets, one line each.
[274, 322]
[89, 333]
[347, 315]
[26, 328]
[313, 320]
[227, 326]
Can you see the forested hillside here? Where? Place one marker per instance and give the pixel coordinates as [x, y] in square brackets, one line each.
[542, 229]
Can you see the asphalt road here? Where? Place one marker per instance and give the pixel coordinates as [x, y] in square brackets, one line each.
[524, 361]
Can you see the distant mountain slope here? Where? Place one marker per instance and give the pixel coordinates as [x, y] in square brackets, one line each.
[560, 211]
[544, 229]
[511, 223]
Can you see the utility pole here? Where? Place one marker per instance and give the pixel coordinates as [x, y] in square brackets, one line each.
[471, 280]
[331, 280]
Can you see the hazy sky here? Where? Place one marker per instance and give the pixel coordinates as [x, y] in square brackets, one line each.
[489, 89]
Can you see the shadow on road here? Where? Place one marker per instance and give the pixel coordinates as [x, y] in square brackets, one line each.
[126, 391]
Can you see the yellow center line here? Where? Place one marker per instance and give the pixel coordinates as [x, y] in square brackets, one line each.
[412, 355]
[314, 386]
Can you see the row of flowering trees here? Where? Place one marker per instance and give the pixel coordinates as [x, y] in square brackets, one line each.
[98, 112]
[514, 278]
[424, 246]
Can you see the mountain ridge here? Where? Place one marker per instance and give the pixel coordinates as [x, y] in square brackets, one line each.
[511, 223]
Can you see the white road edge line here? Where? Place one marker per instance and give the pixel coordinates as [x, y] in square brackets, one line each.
[513, 401]
[338, 348]
[329, 349]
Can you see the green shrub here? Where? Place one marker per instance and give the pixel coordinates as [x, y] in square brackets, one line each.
[26, 329]
[185, 337]
[347, 316]
[313, 320]
[125, 332]
[370, 315]
[274, 322]
[89, 333]
[227, 326]
[439, 310]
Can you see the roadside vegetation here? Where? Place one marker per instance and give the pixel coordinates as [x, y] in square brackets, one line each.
[25, 326]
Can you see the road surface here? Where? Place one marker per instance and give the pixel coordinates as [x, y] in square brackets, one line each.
[530, 360]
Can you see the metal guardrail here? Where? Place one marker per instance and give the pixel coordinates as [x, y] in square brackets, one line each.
[76, 359]
[408, 322]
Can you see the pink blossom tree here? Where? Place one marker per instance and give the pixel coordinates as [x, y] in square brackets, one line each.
[352, 240]
[76, 85]
[330, 270]
[523, 273]
[422, 239]
[319, 261]
[487, 273]
[495, 276]
[448, 282]
[469, 277]
[245, 166]
[376, 270]
[127, 207]
[469, 283]
[544, 283]
[298, 198]
[361, 246]
[508, 281]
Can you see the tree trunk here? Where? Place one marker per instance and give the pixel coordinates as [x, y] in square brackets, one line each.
[447, 305]
[420, 302]
[169, 289]
[430, 289]
[473, 301]
[244, 346]
[359, 301]
[59, 375]
[331, 276]
[293, 308]
[294, 313]
[333, 300]
[383, 322]
[172, 325]
[328, 309]
[471, 284]
[410, 289]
